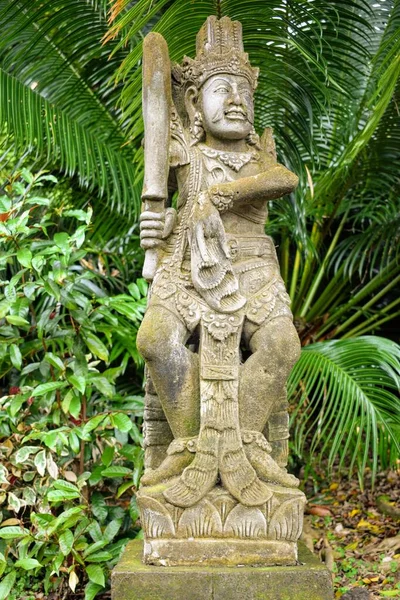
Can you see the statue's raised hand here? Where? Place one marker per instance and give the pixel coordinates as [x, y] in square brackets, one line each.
[208, 232]
[211, 268]
[156, 227]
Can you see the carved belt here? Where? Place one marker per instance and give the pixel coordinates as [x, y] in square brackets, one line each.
[244, 247]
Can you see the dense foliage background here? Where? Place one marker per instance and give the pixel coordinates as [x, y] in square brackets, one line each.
[71, 296]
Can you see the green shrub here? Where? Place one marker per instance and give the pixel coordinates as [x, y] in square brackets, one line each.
[69, 421]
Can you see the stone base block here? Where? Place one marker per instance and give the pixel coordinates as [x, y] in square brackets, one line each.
[133, 580]
[219, 552]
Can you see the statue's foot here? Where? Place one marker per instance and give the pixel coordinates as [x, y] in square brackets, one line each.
[196, 481]
[253, 493]
[171, 466]
[267, 469]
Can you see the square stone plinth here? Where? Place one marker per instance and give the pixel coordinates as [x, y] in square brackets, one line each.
[133, 580]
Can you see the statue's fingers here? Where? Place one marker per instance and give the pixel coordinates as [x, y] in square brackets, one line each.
[147, 224]
[147, 243]
[151, 233]
[148, 215]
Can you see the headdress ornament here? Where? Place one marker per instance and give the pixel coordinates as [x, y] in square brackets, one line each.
[219, 49]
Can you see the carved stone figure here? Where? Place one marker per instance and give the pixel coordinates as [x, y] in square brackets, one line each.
[218, 337]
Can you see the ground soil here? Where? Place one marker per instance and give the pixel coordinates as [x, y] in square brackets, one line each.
[357, 533]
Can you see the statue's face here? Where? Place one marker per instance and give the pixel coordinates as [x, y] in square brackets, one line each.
[227, 106]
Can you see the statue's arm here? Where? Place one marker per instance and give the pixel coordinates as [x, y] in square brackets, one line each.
[272, 183]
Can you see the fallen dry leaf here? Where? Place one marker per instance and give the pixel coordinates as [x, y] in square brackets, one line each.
[319, 511]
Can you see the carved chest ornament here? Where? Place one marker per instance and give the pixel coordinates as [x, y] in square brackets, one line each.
[233, 160]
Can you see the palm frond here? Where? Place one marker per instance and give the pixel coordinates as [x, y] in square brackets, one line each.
[46, 131]
[300, 51]
[346, 395]
[53, 49]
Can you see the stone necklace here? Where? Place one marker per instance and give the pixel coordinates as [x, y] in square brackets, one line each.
[233, 160]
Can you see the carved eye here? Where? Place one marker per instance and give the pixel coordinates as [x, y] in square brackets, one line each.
[245, 92]
[221, 90]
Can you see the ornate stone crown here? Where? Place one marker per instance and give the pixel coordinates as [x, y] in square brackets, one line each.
[219, 49]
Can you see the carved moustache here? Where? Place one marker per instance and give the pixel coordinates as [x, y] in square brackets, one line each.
[237, 110]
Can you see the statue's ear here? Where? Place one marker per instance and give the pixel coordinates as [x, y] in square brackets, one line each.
[191, 102]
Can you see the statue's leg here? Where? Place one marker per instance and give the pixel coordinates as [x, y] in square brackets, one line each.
[275, 347]
[173, 368]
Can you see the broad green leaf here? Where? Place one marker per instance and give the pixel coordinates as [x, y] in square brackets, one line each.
[121, 421]
[116, 471]
[40, 462]
[30, 368]
[134, 291]
[10, 293]
[66, 541]
[38, 263]
[62, 241]
[143, 286]
[16, 403]
[91, 590]
[61, 496]
[107, 455]
[104, 386]
[24, 256]
[13, 502]
[95, 345]
[17, 321]
[74, 442]
[66, 401]
[5, 204]
[3, 564]
[99, 506]
[78, 382]
[28, 564]
[95, 532]
[99, 557]
[78, 214]
[7, 584]
[13, 533]
[16, 356]
[93, 423]
[44, 388]
[57, 562]
[112, 529]
[54, 360]
[4, 475]
[24, 453]
[4, 308]
[59, 522]
[65, 485]
[29, 290]
[94, 547]
[75, 406]
[134, 510]
[123, 487]
[95, 574]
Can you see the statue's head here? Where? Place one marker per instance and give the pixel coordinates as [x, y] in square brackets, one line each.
[219, 83]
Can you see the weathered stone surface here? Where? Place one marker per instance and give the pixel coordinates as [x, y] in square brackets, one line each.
[132, 580]
[218, 336]
[229, 552]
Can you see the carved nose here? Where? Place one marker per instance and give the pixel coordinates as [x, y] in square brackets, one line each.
[235, 98]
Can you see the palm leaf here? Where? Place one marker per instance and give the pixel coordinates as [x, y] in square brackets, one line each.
[346, 394]
[58, 101]
[38, 125]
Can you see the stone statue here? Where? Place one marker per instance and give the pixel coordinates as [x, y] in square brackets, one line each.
[218, 337]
